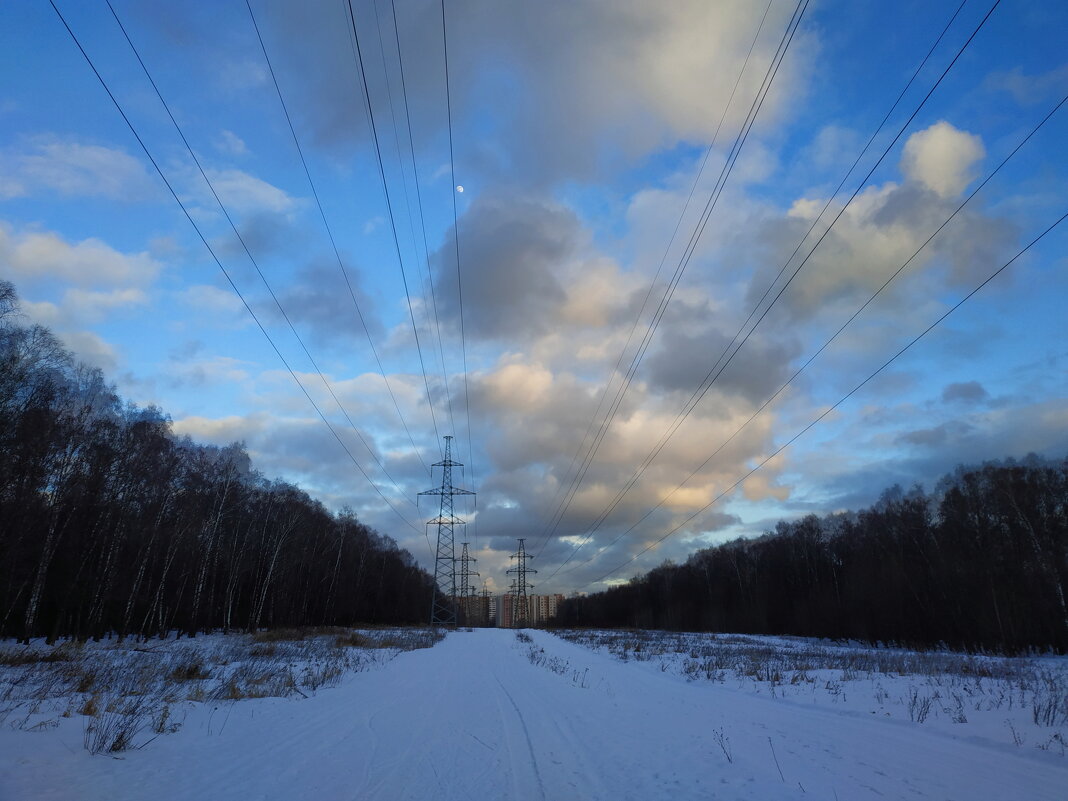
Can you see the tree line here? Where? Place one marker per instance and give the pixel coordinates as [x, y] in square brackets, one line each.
[980, 564]
[109, 523]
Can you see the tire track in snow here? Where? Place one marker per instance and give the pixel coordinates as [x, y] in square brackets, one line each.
[526, 735]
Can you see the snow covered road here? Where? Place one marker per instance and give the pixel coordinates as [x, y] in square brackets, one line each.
[474, 718]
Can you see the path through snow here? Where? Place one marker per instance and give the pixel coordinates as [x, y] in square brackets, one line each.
[473, 718]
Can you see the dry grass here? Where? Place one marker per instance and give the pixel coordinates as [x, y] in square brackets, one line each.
[126, 693]
[20, 655]
[920, 685]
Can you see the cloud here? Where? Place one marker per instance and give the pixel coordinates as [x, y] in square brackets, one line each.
[74, 169]
[527, 410]
[222, 430]
[35, 255]
[965, 392]
[320, 299]
[231, 144]
[880, 230]
[938, 436]
[245, 193]
[942, 158]
[1027, 90]
[511, 256]
[209, 372]
[303, 449]
[620, 83]
[910, 454]
[686, 352]
[211, 300]
[95, 306]
[90, 348]
[623, 77]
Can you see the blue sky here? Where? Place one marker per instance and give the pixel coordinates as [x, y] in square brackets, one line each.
[578, 129]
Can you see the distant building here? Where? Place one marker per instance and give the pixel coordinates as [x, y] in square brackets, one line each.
[476, 610]
[504, 610]
[540, 609]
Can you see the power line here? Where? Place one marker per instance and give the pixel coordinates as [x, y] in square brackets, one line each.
[225, 272]
[680, 269]
[659, 269]
[407, 196]
[695, 236]
[456, 245]
[443, 606]
[241, 239]
[520, 585]
[419, 206]
[720, 365]
[330, 235]
[826, 343]
[389, 209]
[842, 400]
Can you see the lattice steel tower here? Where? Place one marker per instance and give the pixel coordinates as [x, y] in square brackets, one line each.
[520, 606]
[443, 607]
[466, 572]
[466, 592]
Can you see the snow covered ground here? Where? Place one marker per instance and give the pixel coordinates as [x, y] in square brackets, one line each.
[486, 715]
[1009, 701]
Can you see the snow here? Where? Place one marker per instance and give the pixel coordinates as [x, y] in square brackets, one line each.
[485, 715]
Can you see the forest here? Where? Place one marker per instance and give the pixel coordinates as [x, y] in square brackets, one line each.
[110, 523]
[980, 564]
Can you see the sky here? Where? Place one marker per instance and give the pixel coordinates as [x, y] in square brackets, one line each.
[544, 252]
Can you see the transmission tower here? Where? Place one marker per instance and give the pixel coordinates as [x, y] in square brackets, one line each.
[443, 607]
[465, 590]
[484, 606]
[520, 606]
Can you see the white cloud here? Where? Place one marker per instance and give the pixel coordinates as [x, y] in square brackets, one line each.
[92, 306]
[222, 430]
[215, 371]
[942, 158]
[74, 169]
[231, 144]
[572, 88]
[246, 193]
[35, 255]
[211, 300]
[91, 349]
[41, 312]
[1030, 89]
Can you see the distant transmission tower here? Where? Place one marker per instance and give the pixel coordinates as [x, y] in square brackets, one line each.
[484, 607]
[466, 591]
[520, 607]
[443, 607]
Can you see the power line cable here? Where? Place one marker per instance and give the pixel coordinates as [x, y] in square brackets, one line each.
[456, 246]
[680, 269]
[330, 236]
[842, 400]
[419, 206]
[636, 359]
[392, 219]
[695, 236]
[219, 263]
[720, 365]
[824, 346]
[248, 252]
[659, 269]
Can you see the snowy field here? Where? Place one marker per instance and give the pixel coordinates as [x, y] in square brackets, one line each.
[489, 714]
[1022, 702]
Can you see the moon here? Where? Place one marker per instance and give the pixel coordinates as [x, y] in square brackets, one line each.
[460, 189]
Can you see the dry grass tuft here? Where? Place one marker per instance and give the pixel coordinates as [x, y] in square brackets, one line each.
[127, 694]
